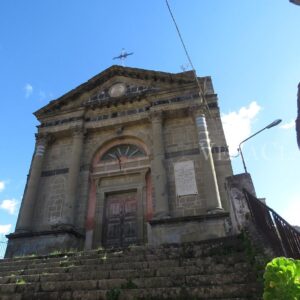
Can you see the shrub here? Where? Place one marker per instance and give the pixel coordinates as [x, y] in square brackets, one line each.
[282, 279]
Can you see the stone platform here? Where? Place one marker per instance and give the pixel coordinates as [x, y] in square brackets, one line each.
[215, 269]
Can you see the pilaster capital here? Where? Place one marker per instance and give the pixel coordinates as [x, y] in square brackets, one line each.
[156, 116]
[44, 138]
[78, 131]
[42, 141]
[196, 110]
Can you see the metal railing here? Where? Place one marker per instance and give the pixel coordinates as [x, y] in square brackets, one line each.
[3, 244]
[282, 237]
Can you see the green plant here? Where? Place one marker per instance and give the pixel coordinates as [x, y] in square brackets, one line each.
[66, 264]
[20, 281]
[113, 294]
[104, 257]
[282, 279]
[31, 255]
[56, 252]
[254, 254]
[71, 250]
[25, 256]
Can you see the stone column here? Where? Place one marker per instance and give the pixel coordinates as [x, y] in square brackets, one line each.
[29, 199]
[72, 183]
[158, 171]
[211, 185]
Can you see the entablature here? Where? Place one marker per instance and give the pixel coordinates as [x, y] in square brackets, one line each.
[116, 115]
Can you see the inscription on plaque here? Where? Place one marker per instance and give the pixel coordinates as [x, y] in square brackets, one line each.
[185, 178]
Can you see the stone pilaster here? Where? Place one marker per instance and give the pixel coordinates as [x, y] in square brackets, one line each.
[29, 199]
[72, 184]
[211, 185]
[90, 220]
[158, 171]
[298, 117]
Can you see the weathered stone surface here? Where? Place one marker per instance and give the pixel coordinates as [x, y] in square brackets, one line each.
[7, 288]
[89, 295]
[12, 297]
[75, 168]
[213, 270]
[106, 284]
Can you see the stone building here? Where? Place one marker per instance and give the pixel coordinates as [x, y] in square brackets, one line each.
[298, 117]
[131, 156]
[297, 2]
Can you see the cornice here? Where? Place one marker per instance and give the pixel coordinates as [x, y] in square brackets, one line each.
[179, 78]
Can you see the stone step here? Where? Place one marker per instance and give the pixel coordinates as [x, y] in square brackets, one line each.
[101, 260]
[192, 272]
[225, 292]
[161, 267]
[216, 270]
[68, 282]
[138, 280]
[197, 249]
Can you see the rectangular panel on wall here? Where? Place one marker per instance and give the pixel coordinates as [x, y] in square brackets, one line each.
[185, 179]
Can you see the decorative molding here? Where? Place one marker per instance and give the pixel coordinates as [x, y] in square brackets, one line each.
[297, 2]
[44, 138]
[60, 122]
[194, 110]
[78, 131]
[199, 218]
[54, 172]
[56, 232]
[101, 78]
[156, 115]
[194, 151]
[132, 111]
[130, 90]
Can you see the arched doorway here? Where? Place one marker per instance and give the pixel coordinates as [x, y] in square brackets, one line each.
[120, 201]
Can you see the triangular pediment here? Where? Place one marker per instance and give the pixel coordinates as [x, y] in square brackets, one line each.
[115, 84]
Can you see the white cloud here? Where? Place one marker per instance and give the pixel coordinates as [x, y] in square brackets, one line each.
[2, 185]
[5, 229]
[288, 125]
[291, 211]
[237, 125]
[9, 205]
[28, 90]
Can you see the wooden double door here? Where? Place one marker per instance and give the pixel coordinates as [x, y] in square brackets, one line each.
[120, 219]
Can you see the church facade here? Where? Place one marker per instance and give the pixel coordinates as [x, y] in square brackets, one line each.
[131, 156]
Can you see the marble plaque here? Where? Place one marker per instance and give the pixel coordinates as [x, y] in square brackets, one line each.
[185, 180]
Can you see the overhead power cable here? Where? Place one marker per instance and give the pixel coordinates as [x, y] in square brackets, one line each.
[201, 90]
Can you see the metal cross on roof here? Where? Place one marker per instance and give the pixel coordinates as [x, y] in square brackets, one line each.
[123, 56]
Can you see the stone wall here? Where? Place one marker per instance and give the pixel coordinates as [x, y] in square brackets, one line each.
[167, 120]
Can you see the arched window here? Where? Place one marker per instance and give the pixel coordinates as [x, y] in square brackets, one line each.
[123, 151]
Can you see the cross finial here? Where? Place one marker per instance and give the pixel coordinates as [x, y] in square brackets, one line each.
[123, 56]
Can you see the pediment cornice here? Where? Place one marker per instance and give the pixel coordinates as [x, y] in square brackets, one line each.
[106, 75]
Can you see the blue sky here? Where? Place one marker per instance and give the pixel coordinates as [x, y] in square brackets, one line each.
[250, 48]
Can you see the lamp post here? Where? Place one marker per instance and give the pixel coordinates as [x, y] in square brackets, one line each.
[274, 123]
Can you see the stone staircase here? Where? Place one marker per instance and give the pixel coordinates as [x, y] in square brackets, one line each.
[215, 269]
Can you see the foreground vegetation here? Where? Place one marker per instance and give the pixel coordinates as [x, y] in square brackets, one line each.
[282, 279]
